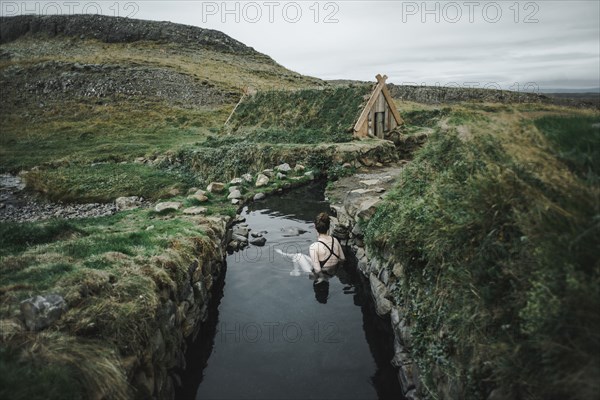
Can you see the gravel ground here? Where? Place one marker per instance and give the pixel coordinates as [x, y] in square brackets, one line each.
[19, 206]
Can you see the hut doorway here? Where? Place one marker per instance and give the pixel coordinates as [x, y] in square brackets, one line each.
[379, 124]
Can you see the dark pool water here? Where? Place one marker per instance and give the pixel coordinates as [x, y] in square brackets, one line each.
[271, 335]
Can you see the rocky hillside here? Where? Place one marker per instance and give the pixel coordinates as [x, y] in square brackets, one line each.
[119, 30]
[100, 56]
[95, 88]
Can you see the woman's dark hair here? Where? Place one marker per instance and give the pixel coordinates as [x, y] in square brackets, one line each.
[322, 223]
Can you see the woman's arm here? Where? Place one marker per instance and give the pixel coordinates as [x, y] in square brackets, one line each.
[314, 256]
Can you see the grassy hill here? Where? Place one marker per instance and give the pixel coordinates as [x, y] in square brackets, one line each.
[496, 226]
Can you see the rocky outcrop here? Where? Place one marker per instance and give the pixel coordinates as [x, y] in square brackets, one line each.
[51, 82]
[119, 30]
[446, 94]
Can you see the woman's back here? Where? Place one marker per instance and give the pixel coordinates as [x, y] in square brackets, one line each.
[326, 252]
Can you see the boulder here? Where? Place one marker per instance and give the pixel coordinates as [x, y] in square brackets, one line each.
[236, 181]
[367, 208]
[239, 238]
[383, 305]
[310, 175]
[194, 210]
[371, 182]
[268, 172]
[234, 194]
[285, 167]
[247, 177]
[40, 312]
[299, 168]
[198, 197]
[128, 203]
[242, 230]
[235, 202]
[262, 180]
[215, 187]
[280, 175]
[174, 192]
[367, 162]
[167, 205]
[259, 196]
[259, 241]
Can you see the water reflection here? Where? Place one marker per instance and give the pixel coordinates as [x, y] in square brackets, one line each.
[321, 291]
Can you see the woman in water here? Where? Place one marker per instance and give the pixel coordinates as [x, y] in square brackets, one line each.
[326, 253]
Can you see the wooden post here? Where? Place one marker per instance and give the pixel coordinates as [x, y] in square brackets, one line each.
[245, 92]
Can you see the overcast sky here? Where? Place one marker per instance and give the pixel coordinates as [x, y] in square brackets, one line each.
[548, 44]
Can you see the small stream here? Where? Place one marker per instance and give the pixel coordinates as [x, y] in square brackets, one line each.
[271, 335]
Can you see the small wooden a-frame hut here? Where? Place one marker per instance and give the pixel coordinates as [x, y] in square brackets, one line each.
[380, 115]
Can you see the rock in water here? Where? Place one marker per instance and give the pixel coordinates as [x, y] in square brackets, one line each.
[292, 231]
[39, 312]
[241, 230]
[259, 196]
[259, 241]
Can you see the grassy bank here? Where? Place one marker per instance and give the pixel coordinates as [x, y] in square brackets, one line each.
[495, 223]
[112, 272]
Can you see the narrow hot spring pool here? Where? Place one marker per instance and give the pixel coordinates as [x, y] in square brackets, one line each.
[271, 335]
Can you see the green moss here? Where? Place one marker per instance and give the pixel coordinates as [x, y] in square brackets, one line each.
[329, 111]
